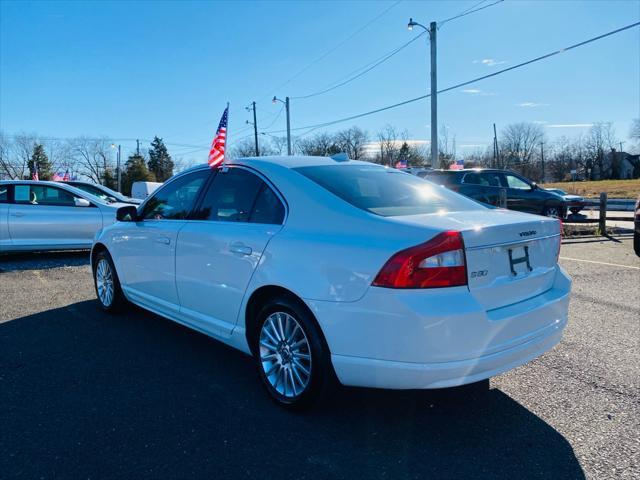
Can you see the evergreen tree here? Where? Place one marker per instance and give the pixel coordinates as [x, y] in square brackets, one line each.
[160, 163]
[135, 171]
[109, 179]
[39, 158]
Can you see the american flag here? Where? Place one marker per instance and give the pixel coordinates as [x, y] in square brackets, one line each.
[216, 154]
[457, 165]
[401, 163]
[61, 177]
[34, 175]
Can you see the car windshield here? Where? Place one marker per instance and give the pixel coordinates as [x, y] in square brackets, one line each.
[95, 191]
[385, 191]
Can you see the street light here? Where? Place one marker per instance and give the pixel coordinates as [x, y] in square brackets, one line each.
[286, 104]
[113, 145]
[255, 125]
[434, 87]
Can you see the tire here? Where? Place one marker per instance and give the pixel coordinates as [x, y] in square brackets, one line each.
[575, 210]
[636, 242]
[105, 280]
[291, 354]
[553, 212]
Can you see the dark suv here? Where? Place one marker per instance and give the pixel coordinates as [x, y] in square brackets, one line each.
[484, 185]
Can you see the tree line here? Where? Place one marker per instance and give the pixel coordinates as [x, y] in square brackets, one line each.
[523, 147]
[92, 159]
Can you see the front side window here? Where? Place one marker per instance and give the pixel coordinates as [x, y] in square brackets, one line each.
[490, 179]
[4, 193]
[515, 182]
[175, 200]
[43, 195]
[95, 191]
[386, 191]
[237, 195]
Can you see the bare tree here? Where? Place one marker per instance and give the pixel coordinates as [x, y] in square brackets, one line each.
[600, 140]
[92, 157]
[446, 147]
[352, 142]
[322, 144]
[520, 143]
[389, 146]
[634, 136]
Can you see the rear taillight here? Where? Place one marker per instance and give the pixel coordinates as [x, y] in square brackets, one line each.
[440, 262]
[559, 240]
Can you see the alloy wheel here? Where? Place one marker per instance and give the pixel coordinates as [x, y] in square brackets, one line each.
[285, 354]
[552, 212]
[104, 282]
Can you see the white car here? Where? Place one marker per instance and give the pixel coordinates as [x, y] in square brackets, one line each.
[321, 268]
[37, 216]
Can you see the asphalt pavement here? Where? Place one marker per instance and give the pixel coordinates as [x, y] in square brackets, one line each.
[84, 394]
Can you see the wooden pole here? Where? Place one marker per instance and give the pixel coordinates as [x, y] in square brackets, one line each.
[602, 224]
[503, 198]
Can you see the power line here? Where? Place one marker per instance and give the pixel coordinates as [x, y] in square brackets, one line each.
[333, 49]
[469, 12]
[422, 97]
[370, 65]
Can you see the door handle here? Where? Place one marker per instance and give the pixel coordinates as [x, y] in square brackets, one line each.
[240, 248]
[163, 240]
[17, 214]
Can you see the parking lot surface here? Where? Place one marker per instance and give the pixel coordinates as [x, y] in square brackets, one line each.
[89, 395]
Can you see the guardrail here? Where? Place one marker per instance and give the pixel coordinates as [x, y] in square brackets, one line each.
[613, 204]
[602, 205]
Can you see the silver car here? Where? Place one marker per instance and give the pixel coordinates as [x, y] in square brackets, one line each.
[50, 216]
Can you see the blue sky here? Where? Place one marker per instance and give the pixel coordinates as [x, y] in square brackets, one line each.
[138, 69]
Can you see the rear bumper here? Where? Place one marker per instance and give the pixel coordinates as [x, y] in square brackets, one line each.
[391, 340]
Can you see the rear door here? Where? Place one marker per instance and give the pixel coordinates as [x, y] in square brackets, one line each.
[218, 251]
[46, 216]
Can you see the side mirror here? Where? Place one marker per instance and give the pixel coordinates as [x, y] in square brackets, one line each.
[81, 202]
[534, 185]
[127, 214]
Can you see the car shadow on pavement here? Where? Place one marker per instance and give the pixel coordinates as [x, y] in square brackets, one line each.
[39, 260]
[84, 394]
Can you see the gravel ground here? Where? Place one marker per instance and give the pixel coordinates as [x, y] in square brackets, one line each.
[87, 395]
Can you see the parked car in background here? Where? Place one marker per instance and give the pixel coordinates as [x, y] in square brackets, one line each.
[419, 171]
[322, 268]
[636, 227]
[104, 193]
[484, 185]
[574, 203]
[50, 216]
[142, 190]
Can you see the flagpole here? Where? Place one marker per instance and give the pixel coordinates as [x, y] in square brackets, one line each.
[226, 141]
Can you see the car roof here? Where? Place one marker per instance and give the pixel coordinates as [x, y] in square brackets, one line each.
[292, 161]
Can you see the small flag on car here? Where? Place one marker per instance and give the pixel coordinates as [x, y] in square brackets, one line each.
[457, 165]
[34, 175]
[218, 146]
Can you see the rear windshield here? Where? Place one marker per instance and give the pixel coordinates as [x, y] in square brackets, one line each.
[386, 191]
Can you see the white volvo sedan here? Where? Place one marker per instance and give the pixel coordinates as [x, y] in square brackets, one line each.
[324, 269]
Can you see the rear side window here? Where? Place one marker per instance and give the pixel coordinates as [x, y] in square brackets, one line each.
[237, 195]
[386, 191]
[175, 200]
[442, 178]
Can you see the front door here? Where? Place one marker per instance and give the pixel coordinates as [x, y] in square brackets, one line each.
[145, 249]
[219, 249]
[519, 194]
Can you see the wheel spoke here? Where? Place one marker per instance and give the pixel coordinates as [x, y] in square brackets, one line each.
[269, 356]
[271, 337]
[301, 367]
[266, 344]
[273, 328]
[292, 381]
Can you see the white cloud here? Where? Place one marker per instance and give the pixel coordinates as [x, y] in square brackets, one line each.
[570, 125]
[472, 145]
[531, 104]
[490, 62]
[477, 91]
[539, 122]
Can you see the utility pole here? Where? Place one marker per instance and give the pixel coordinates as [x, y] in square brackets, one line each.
[137, 147]
[288, 126]
[255, 128]
[432, 31]
[496, 153]
[119, 176]
[434, 96]
[286, 105]
[542, 159]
